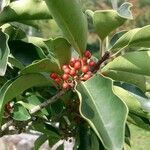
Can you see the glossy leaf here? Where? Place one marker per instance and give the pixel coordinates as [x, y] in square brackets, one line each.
[59, 54]
[127, 135]
[33, 101]
[37, 41]
[45, 65]
[4, 52]
[15, 63]
[136, 103]
[105, 21]
[86, 139]
[115, 38]
[24, 52]
[14, 32]
[20, 113]
[10, 89]
[71, 20]
[103, 110]
[40, 141]
[24, 10]
[124, 10]
[137, 94]
[138, 37]
[52, 133]
[131, 67]
[59, 50]
[139, 121]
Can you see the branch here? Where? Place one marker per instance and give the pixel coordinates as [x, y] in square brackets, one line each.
[37, 108]
[6, 125]
[46, 103]
[104, 58]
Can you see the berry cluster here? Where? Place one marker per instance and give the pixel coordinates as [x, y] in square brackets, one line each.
[77, 69]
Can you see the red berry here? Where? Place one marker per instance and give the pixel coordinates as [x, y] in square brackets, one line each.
[92, 63]
[77, 65]
[73, 72]
[87, 54]
[53, 75]
[85, 69]
[65, 85]
[72, 62]
[84, 59]
[67, 70]
[65, 76]
[87, 76]
[58, 80]
[64, 67]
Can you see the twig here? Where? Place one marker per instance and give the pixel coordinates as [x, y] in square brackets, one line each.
[37, 108]
[46, 103]
[104, 58]
[6, 125]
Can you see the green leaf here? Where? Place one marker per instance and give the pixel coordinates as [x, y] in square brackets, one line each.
[88, 140]
[138, 37]
[40, 141]
[132, 67]
[14, 32]
[37, 41]
[71, 20]
[45, 65]
[11, 89]
[115, 38]
[4, 52]
[137, 103]
[33, 101]
[127, 135]
[48, 130]
[20, 113]
[24, 52]
[139, 121]
[105, 21]
[103, 110]
[33, 23]
[45, 128]
[124, 10]
[137, 94]
[59, 51]
[59, 54]
[15, 63]
[24, 10]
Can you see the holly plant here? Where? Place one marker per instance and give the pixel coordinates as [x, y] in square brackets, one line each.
[60, 89]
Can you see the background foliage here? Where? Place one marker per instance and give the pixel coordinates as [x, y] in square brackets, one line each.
[49, 52]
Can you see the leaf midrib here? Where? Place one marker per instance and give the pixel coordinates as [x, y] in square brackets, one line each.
[98, 112]
[69, 32]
